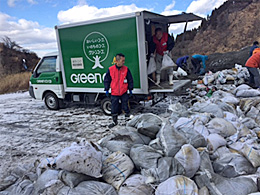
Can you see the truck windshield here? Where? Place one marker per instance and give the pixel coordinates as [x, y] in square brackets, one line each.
[48, 64]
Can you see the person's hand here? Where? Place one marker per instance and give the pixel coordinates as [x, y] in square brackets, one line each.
[152, 55]
[107, 93]
[130, 93]
[165, 52]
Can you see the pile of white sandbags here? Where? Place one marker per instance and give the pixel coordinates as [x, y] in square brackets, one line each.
[210, 147]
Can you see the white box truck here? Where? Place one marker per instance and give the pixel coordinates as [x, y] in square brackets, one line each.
[86, 50]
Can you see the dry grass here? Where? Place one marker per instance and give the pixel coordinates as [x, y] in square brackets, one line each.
[15, 82]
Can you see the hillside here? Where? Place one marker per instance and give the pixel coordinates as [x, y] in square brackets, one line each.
[231, 27]
[11, 60]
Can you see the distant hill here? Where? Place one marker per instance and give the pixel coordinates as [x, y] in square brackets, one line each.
[225, 36]
[231, 27]
[11, 60]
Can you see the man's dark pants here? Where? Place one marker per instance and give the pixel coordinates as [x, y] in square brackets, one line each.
[116, 108]
[254, 78]
[196, 65]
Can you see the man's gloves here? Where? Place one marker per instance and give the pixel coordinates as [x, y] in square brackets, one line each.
[107, 93]
[166, 52]
[130, 93]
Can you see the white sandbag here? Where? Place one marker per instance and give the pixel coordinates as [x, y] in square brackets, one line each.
[225, 107]
[218, 153]
[225, 186]
[193, 137]
[240, 113]
[170, 139]
[253, 112]
[116, 168]
[44, 179]
[203, 117]
[207, 107]
[151, 66]
[135, 185]
[201, 129]
[232, 165]
[80, 158]
[44, 164]
[205, 80]
[178, 110]
[183, 122]
[73, 179]
[7, 181]
[248, 93]
[181, 72]
[239, 145]
[204, 191]
[165, 167]
[247, 103]
[230, 77]
[221, 78]
[241, 88]
[252, 154]
[147, 124]
[177, 185]
[249, 123]
[221, 127]
[145, 156]
[24, 187]
[91, 188]
[53, 187]
[230, 99]
[205, 162]
[122, 140]
[233, 119]
[215, 141]
[244, 131]
[225, 97]
[189, 157]
[238, 67]
[167, 62]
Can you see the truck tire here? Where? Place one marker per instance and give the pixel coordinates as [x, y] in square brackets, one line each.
[51, 101]
[106, 106]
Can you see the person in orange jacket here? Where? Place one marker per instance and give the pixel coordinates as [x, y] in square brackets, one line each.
[252, 64]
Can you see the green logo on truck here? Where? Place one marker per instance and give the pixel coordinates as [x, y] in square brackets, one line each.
[96, 48]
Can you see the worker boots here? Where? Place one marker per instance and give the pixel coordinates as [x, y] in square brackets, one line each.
[171, 79]
[158, 77]
[114, 123]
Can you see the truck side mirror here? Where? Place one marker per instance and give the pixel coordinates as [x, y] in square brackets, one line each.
[34, 74]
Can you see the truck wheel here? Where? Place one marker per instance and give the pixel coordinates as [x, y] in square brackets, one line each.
[51, 101]
[106, 106]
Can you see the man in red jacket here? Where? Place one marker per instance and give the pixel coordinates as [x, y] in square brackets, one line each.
[162, 44]
[120, 79]
[252, 64]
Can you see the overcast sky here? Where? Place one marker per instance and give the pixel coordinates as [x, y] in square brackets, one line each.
[31, 23]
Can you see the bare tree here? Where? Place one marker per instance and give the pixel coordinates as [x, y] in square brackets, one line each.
[11, 44]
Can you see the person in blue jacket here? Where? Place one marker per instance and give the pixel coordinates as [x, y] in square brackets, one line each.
[182, 62]
[196, 63]
[255, 45]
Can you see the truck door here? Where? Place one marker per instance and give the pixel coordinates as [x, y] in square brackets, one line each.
[46, 78]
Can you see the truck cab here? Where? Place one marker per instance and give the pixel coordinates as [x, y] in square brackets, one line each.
[46, 81]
